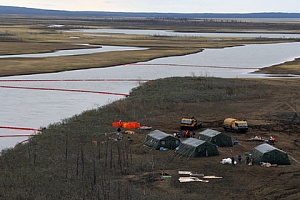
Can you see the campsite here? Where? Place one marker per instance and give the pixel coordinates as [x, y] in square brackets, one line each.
[85, 157]
[241, 181]
[83, 151]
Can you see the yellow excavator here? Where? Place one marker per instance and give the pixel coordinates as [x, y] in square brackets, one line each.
[190, 123]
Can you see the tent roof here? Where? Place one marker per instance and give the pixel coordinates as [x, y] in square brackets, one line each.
[210, 132]
[193, 142]
[264, 148]
[158, 134]
[269, 153]
[197, 148]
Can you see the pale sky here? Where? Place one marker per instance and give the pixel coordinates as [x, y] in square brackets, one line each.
[165, 6]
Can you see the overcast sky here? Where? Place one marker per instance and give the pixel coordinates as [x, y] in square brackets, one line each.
[178, 6]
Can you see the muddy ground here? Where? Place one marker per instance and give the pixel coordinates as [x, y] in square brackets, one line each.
[63, 162]
[276, 116]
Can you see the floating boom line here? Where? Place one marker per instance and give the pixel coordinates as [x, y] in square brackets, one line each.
[200, 66]
[20, 128]
[18, 135]
[75, 80]
[63, 90]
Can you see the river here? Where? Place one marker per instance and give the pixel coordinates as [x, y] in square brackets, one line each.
[101, 32]
[25, 104]
[72, 52]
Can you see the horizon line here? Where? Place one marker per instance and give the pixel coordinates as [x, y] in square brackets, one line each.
[154, 12]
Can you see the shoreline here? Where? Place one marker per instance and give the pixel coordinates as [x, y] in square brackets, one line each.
[288, 67]
[285, 69]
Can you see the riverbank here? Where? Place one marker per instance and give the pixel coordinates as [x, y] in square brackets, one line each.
[16, 38]
[81, 156]
[291, 67]
[25, 66]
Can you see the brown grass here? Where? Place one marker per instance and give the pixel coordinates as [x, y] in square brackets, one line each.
[38, 39]
[63, 156]
[291, 67]
[62, 163]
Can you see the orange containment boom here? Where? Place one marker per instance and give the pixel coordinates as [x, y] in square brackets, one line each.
[20, 128]
[127, 125]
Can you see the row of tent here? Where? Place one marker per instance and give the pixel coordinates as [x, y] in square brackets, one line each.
[206, 143]
[157, 139]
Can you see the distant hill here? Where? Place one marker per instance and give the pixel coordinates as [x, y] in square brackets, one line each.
[8, 10]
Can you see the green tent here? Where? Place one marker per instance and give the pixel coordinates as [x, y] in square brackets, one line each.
[270, 154]
[193, 147]
[158, 139]
[218, 138]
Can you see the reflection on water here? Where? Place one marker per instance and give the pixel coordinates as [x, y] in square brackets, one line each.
[36, 108]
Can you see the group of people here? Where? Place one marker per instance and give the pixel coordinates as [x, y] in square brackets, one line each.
[189, 134]
[271, 140]
[186, 134]
[119, 132]
[249, 160]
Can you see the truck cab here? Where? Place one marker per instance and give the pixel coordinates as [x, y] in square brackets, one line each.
[240, 126]
[231, 124]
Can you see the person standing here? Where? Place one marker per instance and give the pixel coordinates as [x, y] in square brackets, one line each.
[251, 161]
[193, 134]
[235, 142]
[247, 160]
[187, 133]
[119, 130]
[240, 159]
[232, 161]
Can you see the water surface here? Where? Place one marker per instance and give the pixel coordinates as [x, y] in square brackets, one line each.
[36, 108]
[185, 34]
[72, 52]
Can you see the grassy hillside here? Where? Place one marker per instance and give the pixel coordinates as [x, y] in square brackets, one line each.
[77, 158]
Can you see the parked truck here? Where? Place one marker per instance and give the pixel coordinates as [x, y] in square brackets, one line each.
[231, 124]
[190, 123]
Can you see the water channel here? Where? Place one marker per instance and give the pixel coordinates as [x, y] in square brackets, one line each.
[23, 107]
[101, 32]
[72, 52]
